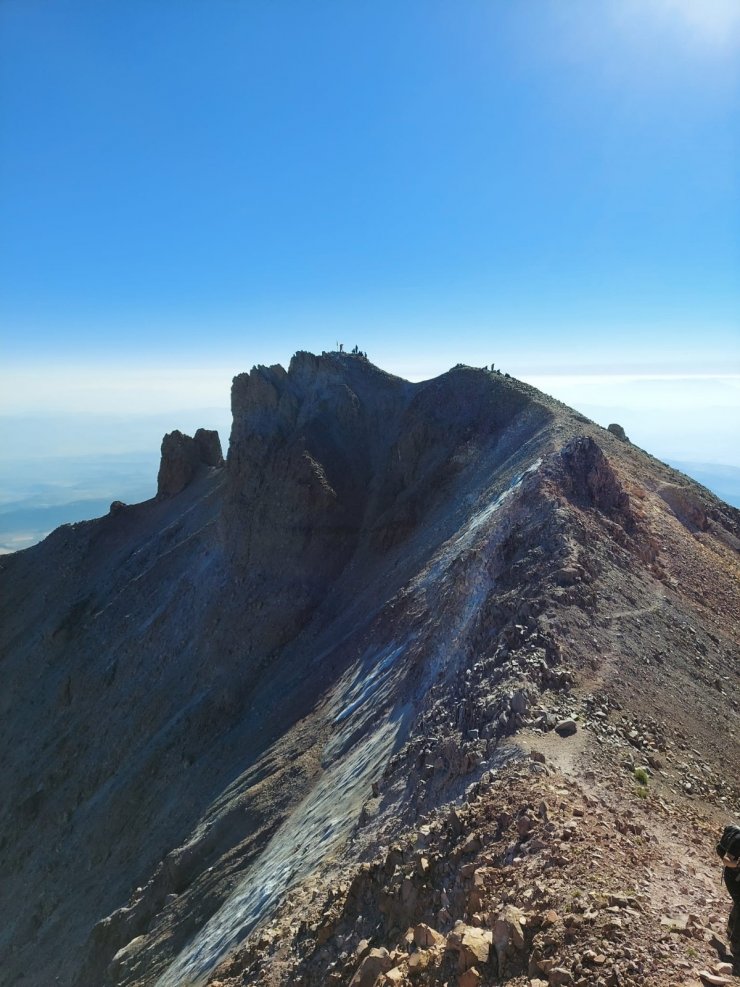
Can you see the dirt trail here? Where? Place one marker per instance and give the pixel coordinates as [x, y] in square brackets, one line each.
[635, 611]
[681, 880]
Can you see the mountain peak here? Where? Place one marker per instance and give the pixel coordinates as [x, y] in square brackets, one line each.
[422, 667]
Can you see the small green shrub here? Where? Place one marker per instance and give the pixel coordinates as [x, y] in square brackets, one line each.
[641, 776]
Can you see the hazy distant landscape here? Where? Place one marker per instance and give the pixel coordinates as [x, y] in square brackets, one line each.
[45, 480]
[60, 467]
[39, 494]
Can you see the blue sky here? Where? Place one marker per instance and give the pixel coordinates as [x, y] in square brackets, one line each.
[190, 188]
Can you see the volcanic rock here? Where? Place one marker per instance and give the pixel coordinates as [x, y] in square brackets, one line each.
[376, 962]
[183, 455]
[566, 728]
[618, 431]
[258, 728]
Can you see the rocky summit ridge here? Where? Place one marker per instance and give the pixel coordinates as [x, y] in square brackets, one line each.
[425, 683]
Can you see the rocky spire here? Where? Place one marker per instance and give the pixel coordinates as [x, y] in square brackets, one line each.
[183, 455]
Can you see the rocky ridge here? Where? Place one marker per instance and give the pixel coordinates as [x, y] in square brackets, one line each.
[400, 616]
[535, 878]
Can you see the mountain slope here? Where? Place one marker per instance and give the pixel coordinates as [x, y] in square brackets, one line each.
[278, 666]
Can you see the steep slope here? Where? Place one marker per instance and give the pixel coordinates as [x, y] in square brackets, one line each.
[280, 665]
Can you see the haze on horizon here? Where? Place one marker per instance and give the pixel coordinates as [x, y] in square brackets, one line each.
[187, 190]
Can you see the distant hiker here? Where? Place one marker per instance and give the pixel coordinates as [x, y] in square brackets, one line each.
[728, 849]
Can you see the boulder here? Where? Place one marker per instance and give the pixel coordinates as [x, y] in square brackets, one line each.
[376, 962]
[507, 934]
[560, 977]
[618, 431]
[425, 936]
[470, 978]
[419, 961]
[520, 702]
[566, 728]
[472, 945]
[569, 575]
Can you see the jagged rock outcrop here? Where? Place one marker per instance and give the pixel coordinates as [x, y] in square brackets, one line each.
[591, 481]
[182, 457]
[274, 669]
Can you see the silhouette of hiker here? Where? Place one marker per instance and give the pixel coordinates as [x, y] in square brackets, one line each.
[728, 849]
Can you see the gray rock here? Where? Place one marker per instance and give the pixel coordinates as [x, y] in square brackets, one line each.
[209, 447]
[182, 456]
[560, 976]
[618, 431]
[566, 728]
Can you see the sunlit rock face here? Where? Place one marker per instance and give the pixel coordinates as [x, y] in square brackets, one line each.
[282, 660]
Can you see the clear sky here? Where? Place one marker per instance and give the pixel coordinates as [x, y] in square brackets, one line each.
[201, 185]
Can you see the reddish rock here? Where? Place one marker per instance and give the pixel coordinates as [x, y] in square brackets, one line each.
[470, 978]
[376, 962]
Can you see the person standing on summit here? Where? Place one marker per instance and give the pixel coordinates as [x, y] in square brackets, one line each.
[728, 849]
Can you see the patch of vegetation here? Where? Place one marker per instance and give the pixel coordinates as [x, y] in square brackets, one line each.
[641, 776]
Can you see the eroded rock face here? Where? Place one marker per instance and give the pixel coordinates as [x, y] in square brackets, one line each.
[334, 457]
[685, 505]
[590, 479]
[350, 447]
[183, 455]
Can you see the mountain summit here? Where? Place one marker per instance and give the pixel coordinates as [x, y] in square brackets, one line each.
[425, 683]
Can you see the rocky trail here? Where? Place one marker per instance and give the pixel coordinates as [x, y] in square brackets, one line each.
[543, 875]
[679, 876]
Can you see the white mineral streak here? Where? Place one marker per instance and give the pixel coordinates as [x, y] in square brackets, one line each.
[320, 823]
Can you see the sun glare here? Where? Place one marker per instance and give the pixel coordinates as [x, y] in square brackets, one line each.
[709, 25]
[714, 22]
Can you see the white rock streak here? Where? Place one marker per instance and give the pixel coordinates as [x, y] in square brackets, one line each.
[314, 828]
